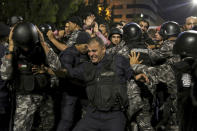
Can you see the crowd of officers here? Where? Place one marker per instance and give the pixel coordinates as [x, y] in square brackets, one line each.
[88, 76]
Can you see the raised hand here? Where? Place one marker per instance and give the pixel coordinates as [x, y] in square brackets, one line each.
[134, 58]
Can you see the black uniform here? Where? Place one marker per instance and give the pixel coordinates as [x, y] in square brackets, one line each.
[107, 93]
[187, 111]
[69, 58]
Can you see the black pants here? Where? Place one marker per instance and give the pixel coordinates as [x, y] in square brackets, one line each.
[4, 121]
[101, 121]
[67, 112]
[71, 111]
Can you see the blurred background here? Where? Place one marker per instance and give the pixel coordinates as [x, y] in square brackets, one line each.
[57, 11]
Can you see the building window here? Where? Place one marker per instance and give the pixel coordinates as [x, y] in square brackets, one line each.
[117, 16]
[117, 6]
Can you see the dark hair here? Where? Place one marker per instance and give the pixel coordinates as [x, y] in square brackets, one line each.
[85, 15]
[77, 20]
[98, 40]
[145, 21]
[114, 25]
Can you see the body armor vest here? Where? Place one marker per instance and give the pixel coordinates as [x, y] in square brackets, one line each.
[106, 91]
[25, 80]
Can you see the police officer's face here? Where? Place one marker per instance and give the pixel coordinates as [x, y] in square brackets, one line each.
[190, 23]
[144, 26]
[96, 52]
[115, 39]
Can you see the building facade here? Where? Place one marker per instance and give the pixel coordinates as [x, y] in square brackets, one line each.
[128, 10]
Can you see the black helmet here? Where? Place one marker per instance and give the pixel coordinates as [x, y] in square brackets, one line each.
[14, 20]
[186, 44]
[115, 31]
[25, 35]
[169, 29]
[132, 32]
[44, 28]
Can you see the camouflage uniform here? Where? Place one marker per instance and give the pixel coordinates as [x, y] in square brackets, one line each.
[165, 52]
[27, 104]
[73, 37]
[163, 73]
[46, 119]
[134, 94]
[121, 49]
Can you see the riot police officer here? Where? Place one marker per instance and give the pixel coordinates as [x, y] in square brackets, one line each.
[186, 73]
[118, 45]
[132, 35]
[106, 77]
[73, 96]
[24, 66]
[169, 31]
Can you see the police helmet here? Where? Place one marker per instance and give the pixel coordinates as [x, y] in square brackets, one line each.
[14, 20]
[186, 44]
[169, 29]
[44, 28]
[115, 31]
[25, 35]
[132, 32]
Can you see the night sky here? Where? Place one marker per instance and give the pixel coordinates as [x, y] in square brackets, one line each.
[177, 10]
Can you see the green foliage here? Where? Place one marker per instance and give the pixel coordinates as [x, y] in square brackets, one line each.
[50, 11]
[66, 8]
[42, 11]
[36, 11]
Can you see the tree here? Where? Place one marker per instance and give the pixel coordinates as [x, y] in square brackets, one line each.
[36, 11]
[66, 8]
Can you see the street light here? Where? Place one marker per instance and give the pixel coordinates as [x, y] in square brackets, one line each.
[194, 2]
[141, 15]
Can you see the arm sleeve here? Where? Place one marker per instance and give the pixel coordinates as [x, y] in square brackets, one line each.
[162, 73]
[53, 59]
[6, 68]
[66, 58]
[72, 40]
[125, 68]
